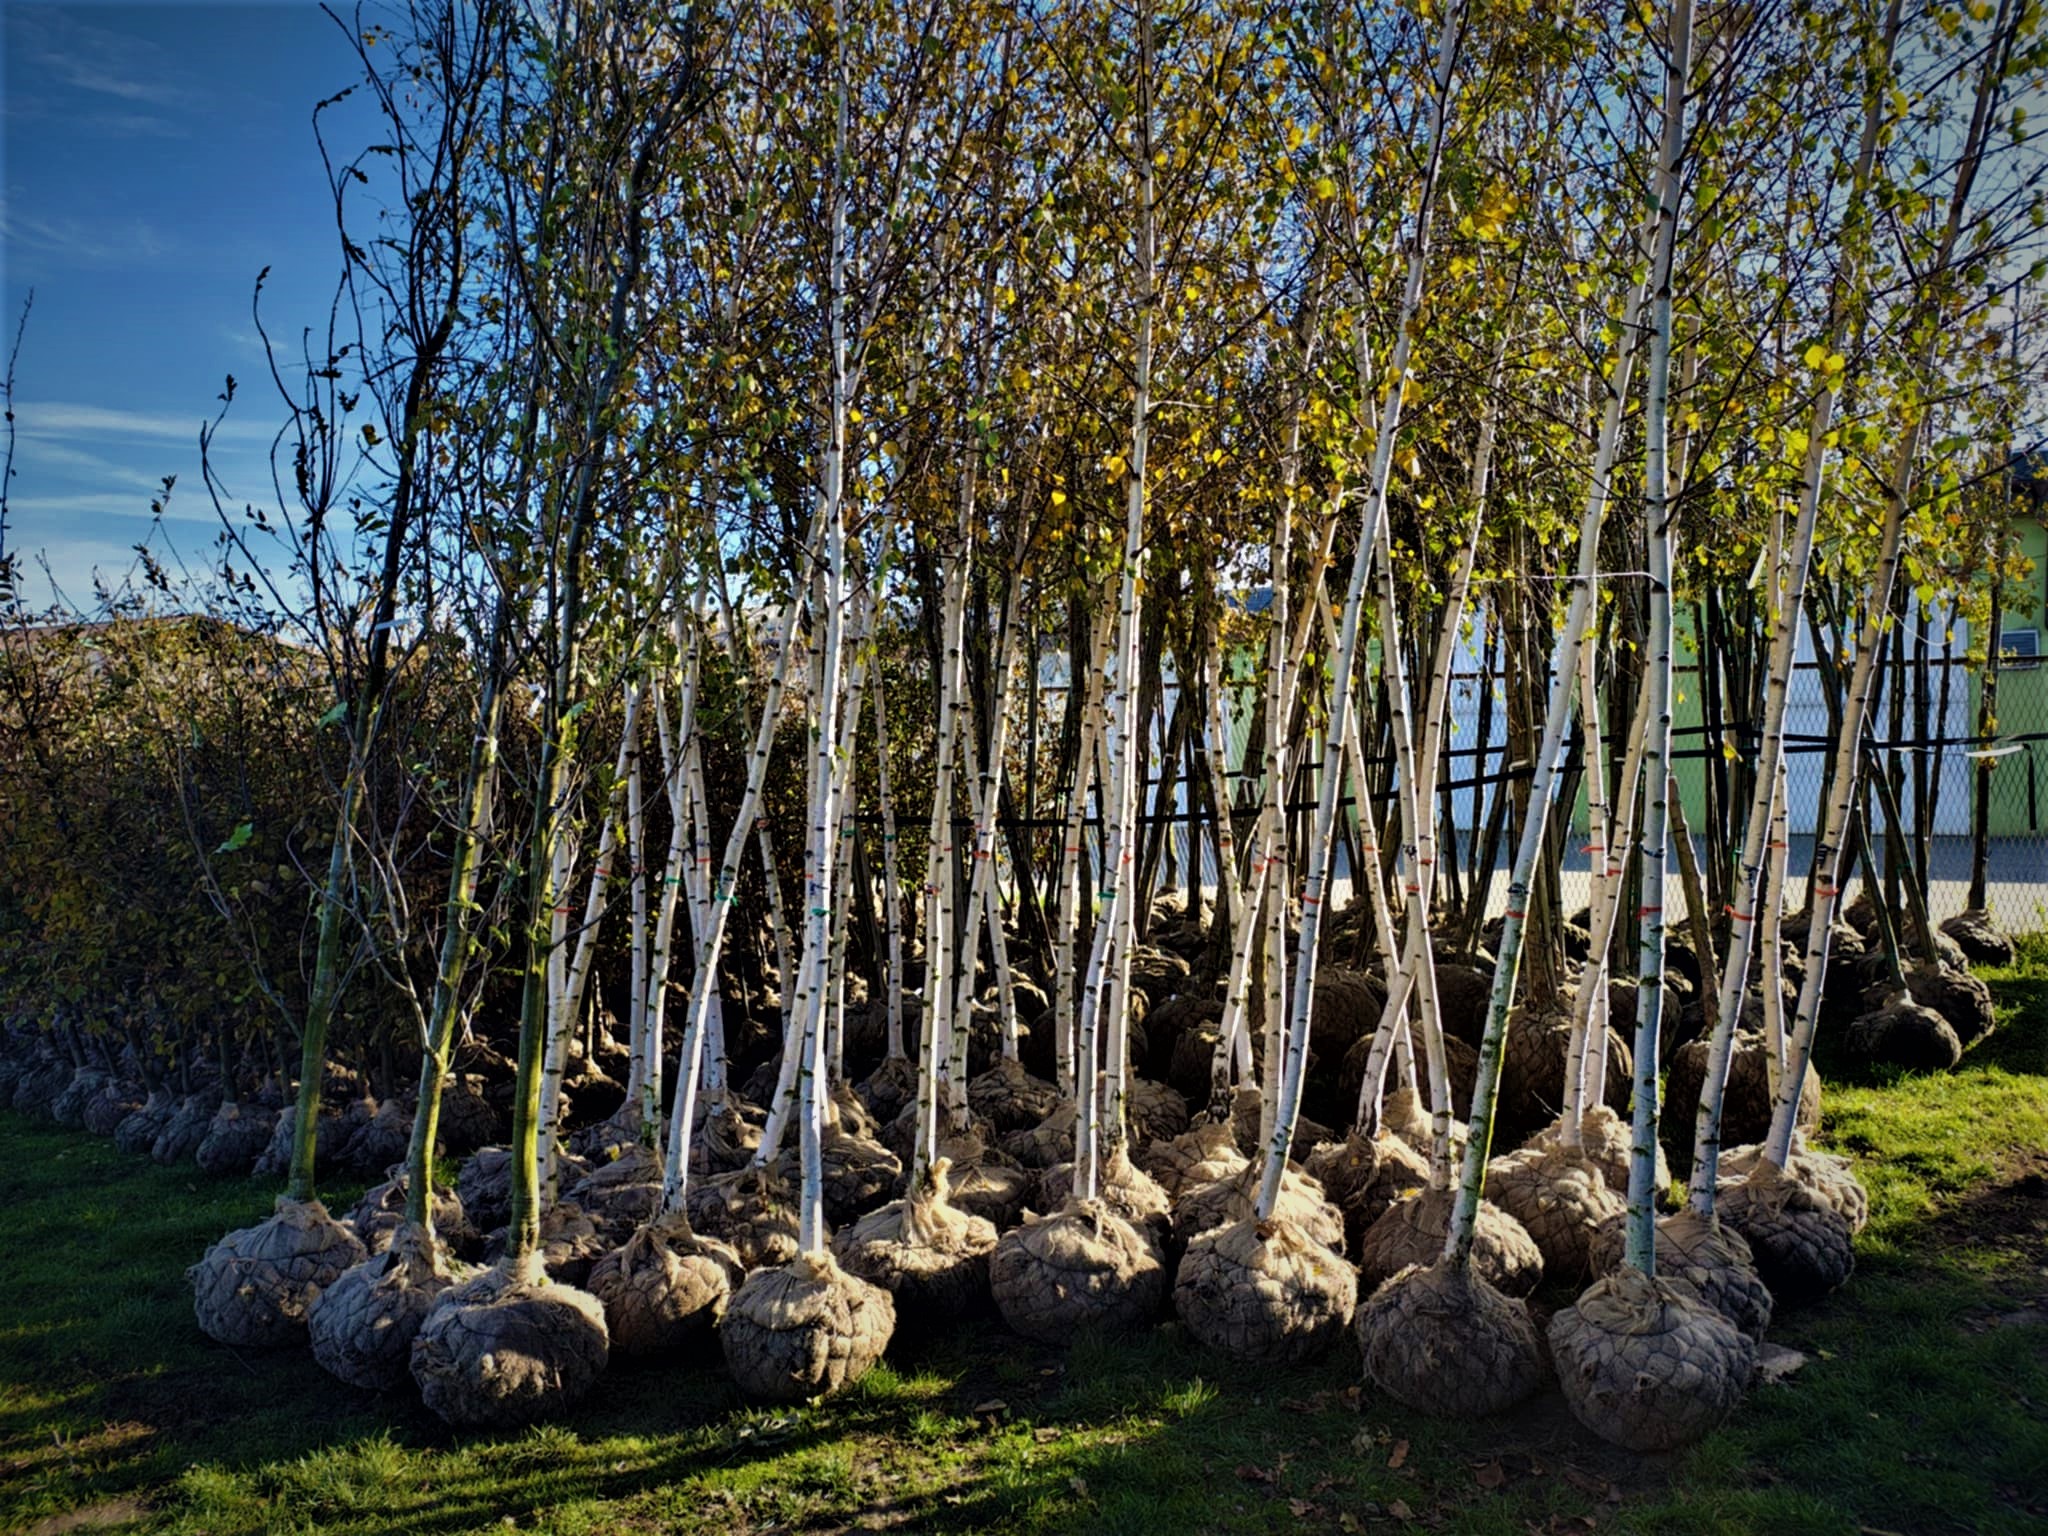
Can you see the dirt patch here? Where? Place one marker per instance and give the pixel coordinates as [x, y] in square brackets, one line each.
[2009, 1218]
[94, 1517]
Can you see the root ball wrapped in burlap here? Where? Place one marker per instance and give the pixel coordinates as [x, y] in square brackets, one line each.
[330, 1135]
[139, 1129]
[1646, 1365]
[860, 1173]
[1745, 1102]
[569, 1243]
[1194, 1157]
[1803, 1246]
[1982, 941]
[362, 1326]
[1960, 998]
[1048, 1142]
[1223, 1201]
[253, 1288]
[1082, 1267]
[113, 1103]
[1703, 1256]
[186, 1130]
[1244, 1121]
[379, 1215]
[623, 1189]
[989, 1187]
[1264, 1291]
[509, 1347]
[888, 1088]
[664, 1289]
[1154, 1111]
[1561, 1197]
[1532, 1072]
[382, 1141]
[67, 1108]
[1122, 1186]
[1363, 1175]
[1412, 1232]
[234, 1139]
[1904, 1033]
[1827, 1177]
[1009, 1098]
[1441, 1340]
[467, 1120]
[924, 1251]
[37, 1088]
[1607, 1141]
[753, 1210]
[804, 1329]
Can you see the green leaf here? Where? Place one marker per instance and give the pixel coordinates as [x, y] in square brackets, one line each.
[238, 839]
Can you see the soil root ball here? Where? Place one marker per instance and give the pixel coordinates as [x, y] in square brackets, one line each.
[1703, 1256]
[185, 1130]
[925, 1252]
[1223, 1201]
[1443, 1341]
[467, 1119]
[984, 1184]
[1010, 1098]
[234, 1139]
[1905, 1033]
[1194, 1157]
[860, 1173]
[330, 1135]
[509, 1347]
[1156, 1112]
[1245, 1113]
[665, 1288]
[725, 1140]
[384, 1140]
[1122, 1186]
[253, 1287]
[804, 1329]
[1646, 1365]
[625, 1188]
[114, 1103]
[1561, 1197]
[1745, 1101]
[1981, 940]
[1963, 1000]
[1532, 1072]
[1363, 1175]
[569, 1243]
[889, 1087]
[362, 1326]
[139, 1129]
[1406, 1115]
[36, 1089]
[1082, 1267]
[1802, 1245]
[68, 1107]
[381, 1213]
[1412, 1233]
[1827, 1177]
[1265, 1292]
[752, 1210]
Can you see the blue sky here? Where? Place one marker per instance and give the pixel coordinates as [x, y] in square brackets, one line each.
[154, 158]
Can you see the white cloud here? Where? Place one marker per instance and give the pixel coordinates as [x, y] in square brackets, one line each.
[60, 419]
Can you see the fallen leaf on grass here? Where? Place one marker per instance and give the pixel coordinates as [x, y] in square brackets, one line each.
[1079, 1485]
[1301, 1509]
[993, 1405]
[1045, 1436]
[1490, 1475]
[1400, 1511]
[1252, 1474]
[1400, 1454]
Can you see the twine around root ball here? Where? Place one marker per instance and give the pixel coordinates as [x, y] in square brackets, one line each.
[380, 1214]
[1804, 1248]
[1561, 1197]
[1197, 1155]
[664, 1289]
[1010, 1098]
[1364, 1175]
[928, 1254]
[1827, 1177]
[1701, 1255]
[253, 1288]
[752, 1210]
[1264, 1292]
[1081, 1267]
[1122, 1186]
[1646, 1365]
[1441, 1340]
[362, 1326]
[1222, 1201]
[509, 1347]
[1413, 1230]
[804, 1329]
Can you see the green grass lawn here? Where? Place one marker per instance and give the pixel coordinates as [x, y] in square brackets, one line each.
[1924, 1405]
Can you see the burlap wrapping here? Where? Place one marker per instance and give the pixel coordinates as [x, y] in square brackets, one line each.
[1264, 1292]
[252, 1289]
[1081, 1267]
[509, 1347]
[1646, 1365]
[362, 1326]
[804, 1329]
[664, 1289]
[931, 1256]
[1412, 1232]
[1710, 1260]
[1440, 1340]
